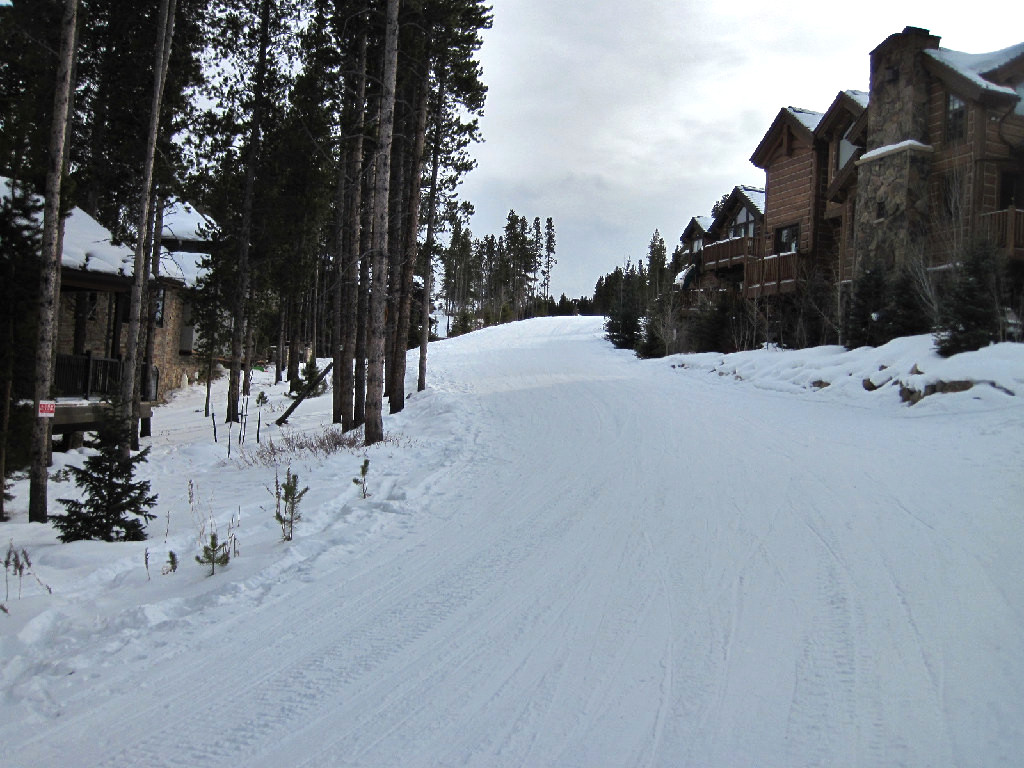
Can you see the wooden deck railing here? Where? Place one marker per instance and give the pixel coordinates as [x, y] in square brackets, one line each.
[770, 275]
[1005, 228]
[730, 253]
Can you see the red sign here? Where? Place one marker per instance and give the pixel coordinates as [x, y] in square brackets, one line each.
[47, 409]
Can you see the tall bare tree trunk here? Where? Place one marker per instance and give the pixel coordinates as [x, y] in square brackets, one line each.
[410, 247]
[353, 255]
[346, 291]
[428, 246]
[129, 368]
[374, 428]
[362, 313]
[50, 266]
[251, 161]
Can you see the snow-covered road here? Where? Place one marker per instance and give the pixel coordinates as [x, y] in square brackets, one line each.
[572, 558]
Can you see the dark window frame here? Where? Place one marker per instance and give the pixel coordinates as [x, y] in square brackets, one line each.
[787, 239]
[956, 118]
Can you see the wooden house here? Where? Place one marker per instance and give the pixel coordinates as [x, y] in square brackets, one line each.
[736, 235]
[841, 136]
[792, 163]
[687, 263]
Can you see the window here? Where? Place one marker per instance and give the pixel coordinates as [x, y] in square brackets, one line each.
[956, 118]
[742, 225]
[787, 239]
[844, 150]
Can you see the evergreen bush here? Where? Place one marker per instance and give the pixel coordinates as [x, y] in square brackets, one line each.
[970, 316]
[215, 553]
[115, 507]
[865, 324]
[288, 497]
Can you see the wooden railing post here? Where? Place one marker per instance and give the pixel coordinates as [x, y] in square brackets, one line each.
[88, 374]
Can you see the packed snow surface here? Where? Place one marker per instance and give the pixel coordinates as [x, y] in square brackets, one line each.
[568, 557]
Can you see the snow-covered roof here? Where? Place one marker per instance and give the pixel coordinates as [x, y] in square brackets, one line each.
[683, 278]
[861, 97]
[976, 67]
[807, 117]
[183, 222]
[89, 246]
[755, 195]
[181, 265]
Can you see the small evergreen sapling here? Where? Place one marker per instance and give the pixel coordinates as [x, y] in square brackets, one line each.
[361, 480]
[214, 554]
[290, 495]
[116, 506]
[171, 565]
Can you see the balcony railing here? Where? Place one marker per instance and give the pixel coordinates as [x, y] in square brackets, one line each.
[726, 254]
[86, 376]
[770, 275]
[1006, 229]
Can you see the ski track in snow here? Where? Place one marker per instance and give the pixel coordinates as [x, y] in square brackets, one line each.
[577, 559]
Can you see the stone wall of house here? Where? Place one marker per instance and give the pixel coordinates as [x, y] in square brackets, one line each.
[175, 368]
[97, 309]
[97, 329]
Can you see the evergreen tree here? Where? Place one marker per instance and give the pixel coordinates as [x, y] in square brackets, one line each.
[549, 257]
[215, 553]
[624, 291]
[970, 314]
[656, 264]
[116, 505]
[865, 322]
[906, 314]
[19, 273]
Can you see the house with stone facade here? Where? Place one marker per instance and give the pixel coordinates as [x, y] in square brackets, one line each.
[929, 159]
[944, 152]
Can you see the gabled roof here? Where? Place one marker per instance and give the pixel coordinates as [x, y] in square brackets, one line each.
[184, 223]
[88, 246]
[801, 122]
[845, 106]
[699, 225]
[753, 195]
[742, 195]
[982, 77]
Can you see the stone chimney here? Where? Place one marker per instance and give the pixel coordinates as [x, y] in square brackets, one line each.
[898, 109]
[891, 219]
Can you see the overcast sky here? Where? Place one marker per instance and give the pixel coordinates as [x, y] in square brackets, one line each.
[619, 118]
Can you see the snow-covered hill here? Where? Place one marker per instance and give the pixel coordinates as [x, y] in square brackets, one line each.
[568, 557]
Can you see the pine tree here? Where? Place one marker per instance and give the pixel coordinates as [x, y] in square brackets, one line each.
[116, 506]
[865, 322]
[215, 553]
[969, 317]
[906, 314]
